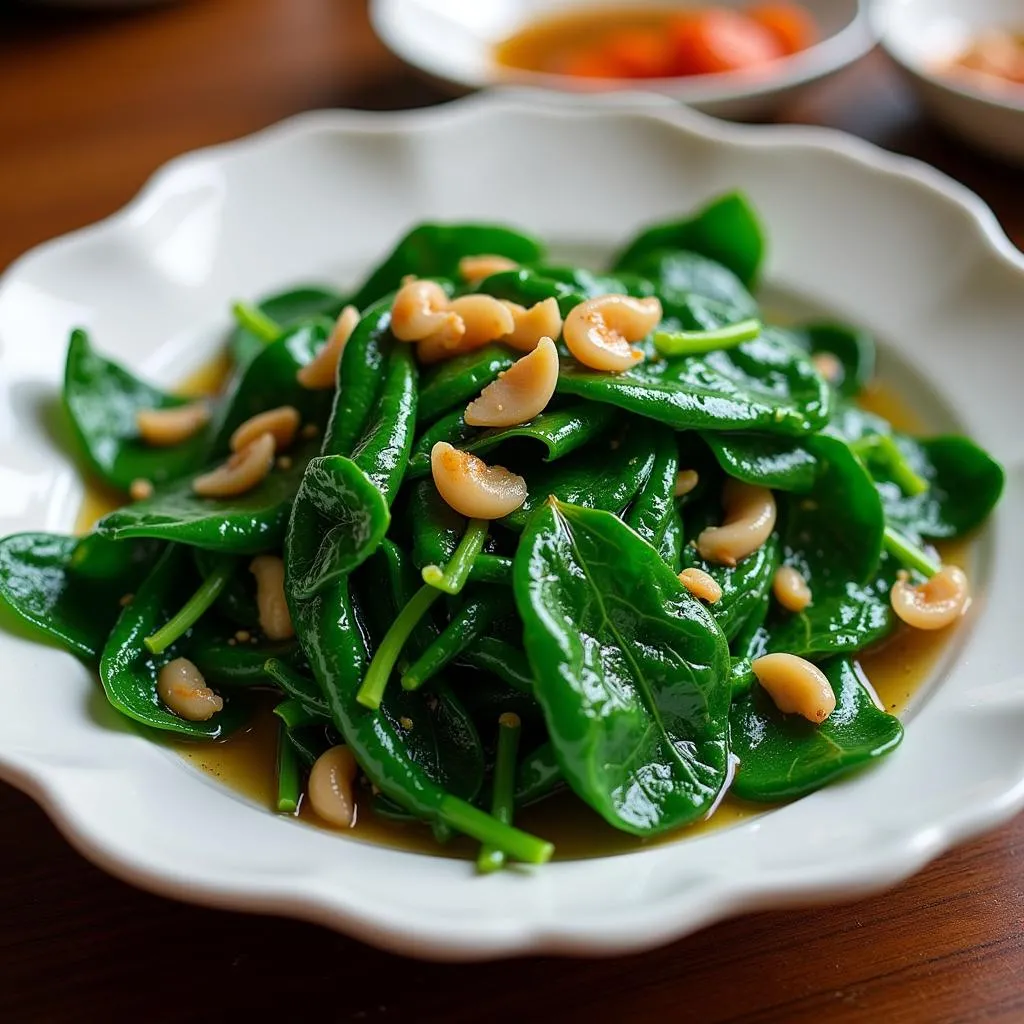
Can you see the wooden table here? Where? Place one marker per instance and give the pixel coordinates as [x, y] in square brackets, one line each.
[89, 107]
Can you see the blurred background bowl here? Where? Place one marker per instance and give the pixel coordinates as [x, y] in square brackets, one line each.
[924, 37]
[453, 42]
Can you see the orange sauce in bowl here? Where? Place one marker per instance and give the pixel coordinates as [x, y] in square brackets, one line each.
[638, 42]
[994, 60]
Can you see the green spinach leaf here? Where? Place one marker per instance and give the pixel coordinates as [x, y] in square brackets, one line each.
[632, 672]
[129, 672]
[678, 277]
[765, 460]
[268, 381]
[102, 401]
[434, 250]
[854, 348]
[605, 475]
[726, 230]
[73, 611]
[785, 756]
[964, 486]
[244, 525]
[461, 379]
[765, 384]
[287, 309]
[560, 431]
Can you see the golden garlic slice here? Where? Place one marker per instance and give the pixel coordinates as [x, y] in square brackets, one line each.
[473, 488]
[541, 320]
[599, 332]
[520, 393]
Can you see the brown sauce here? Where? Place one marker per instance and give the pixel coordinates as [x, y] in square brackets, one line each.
[246, 762]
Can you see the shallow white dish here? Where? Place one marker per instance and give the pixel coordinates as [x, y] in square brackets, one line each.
[877, 239]
[453, 40]
[923, 35]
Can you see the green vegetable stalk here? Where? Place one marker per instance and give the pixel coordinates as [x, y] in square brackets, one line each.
[253, 319]
[289, 774]
[503, 798]
[692, 343]
[193, 609]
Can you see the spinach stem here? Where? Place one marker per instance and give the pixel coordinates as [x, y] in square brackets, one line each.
[503, 797]
[467, 625]
[193, 608]
[477, 824]
[294, 714]
[253, 319]
[289, 783]
[452, 578]
[303, 691]
[383, 662]
[882, 448]
[691, 343]
[905, 551]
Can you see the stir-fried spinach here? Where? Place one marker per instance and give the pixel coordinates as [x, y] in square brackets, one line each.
[412, 630]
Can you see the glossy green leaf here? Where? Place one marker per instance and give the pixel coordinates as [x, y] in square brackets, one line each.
[237, 665]
[854, 348]
[785, 756]
[442, 738]
[834, 534]
[345, 512]
[964, 486]
[116, 561]
[561, 432]
[503, 660]
[103, 400]
[434, 250]
[286, 309]
[39, 588]
[745, 586]
[678, 276]
[833, 537]
[605, 475]
[726, 230]
[766, 383]
[297, 685]
[129, 672]
[269, 381]
[651, 512]
[528, 286]
[577, 283]
[632, 672]
[360, 376]
[340, 519]
[459, 380]
[765, 460]
[247, 524]
[842, 619]
[539, 776]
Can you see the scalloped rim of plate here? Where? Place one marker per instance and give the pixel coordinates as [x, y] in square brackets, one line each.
[64, 793]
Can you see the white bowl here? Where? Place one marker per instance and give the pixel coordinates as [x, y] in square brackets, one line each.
[453, 41]
[874, 238]
[924, 35]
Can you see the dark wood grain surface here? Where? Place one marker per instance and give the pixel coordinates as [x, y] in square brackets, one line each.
[90, 105]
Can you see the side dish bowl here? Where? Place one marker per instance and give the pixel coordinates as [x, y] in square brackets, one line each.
[872, 238]
[454, 43]
[925, 36]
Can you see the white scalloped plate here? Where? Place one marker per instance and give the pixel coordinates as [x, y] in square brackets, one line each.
[883, 241]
